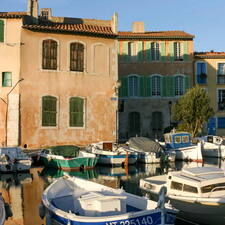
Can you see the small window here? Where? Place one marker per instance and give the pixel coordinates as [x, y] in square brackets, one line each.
[221, 73]
[49, 54]
[176, 186]
[177, 139]
[221, 99]
[156, 86]
[155, 51]
[178, 56]
[6, 79]
[77, 57]
[201, 73]
[213, 187]
[1, 31]
[185, 139]
[76, 112]
[179, 85]
[189, 188]
[133, 83]
[49, 111]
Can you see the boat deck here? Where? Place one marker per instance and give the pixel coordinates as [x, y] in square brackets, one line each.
[159, 180]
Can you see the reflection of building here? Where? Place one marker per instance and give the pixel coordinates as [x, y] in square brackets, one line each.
[69, 67]
[210, 74]
[155, 68]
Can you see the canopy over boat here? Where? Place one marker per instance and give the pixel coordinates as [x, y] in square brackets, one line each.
[145, 144]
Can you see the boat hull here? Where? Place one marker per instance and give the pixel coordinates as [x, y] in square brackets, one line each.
[19, 165]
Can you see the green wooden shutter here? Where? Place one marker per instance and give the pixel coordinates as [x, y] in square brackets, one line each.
[139, 51]
[125, 51]
[76, 112]
[171, 47]
[1, 31]
[49, 112]
[187, 83]
[148, 86]
[163, 51]
[170, 86]
[185, 50]
[148, 51]
[123, 90]
[164, 86]
[142, 86]
[6, 79]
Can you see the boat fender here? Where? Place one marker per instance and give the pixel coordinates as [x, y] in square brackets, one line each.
[161, 201]
[8, 210]
[42, 211]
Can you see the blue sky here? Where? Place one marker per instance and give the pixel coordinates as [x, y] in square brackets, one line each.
[203, 18]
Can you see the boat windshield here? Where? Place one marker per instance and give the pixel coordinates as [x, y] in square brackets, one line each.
[185, 139]
[213, 187]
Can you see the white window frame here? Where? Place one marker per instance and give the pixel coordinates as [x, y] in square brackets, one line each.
[180, 56]
[179, 88]
[132, 93]
[156, 76]
[155, 51]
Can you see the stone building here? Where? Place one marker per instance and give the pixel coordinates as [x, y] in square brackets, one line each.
[58, 79]
[155, 69]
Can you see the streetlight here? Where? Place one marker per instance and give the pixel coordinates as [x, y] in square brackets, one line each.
[6, 102]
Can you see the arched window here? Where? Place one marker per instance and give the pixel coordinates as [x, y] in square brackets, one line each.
[179, 85]
[49, 54]
[133, 85]
[49, 111]
[76, 57]
[134, 123]
[76, 112]
[156, 85]
[155, 51]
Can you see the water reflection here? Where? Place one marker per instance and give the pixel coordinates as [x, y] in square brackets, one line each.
[23, 190]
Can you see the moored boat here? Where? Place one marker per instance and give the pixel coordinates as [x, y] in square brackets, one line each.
[198, 192]
[71, 200]
[68, 159]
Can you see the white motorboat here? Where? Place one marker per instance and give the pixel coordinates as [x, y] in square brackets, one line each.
[180, 142]
[112, 154]
[72, 200]
[150, 151]
[212, 146]
[198, 192]
[12, 159]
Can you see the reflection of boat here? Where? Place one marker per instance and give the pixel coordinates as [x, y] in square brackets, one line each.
[180, 142]
[71, 200]
[13, 159]
[199, 192]
[68, 158]
[149, 151]
[112, 154]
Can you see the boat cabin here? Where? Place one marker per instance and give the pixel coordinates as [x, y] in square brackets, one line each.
[197, 182]
[177, 140]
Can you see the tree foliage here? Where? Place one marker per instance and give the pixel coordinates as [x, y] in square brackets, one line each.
[192, 110]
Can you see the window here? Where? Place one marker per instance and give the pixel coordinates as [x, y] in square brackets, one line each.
[189, 188]
[1, 31]
[221, 73]
[213, 187]
[179, 85]
[49, 111]
[6, 79]
[221, 122]
[185, 139]
[49, 54]
[177, 139]
[77, 57]
[134, 123]
[133, 85]
[201, 73]
[176, 185]
[76, 112]
[178, 56]
[155, 51]
[221, 99]
[156, 86]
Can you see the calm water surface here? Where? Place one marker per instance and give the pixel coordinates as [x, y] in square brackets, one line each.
[23, 191]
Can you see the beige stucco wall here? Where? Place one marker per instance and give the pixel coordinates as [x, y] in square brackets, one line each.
[96, 85]
[9, 62]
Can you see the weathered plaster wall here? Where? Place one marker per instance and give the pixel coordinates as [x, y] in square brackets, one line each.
[96, 84]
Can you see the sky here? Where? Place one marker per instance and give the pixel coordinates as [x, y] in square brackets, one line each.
[202, 18]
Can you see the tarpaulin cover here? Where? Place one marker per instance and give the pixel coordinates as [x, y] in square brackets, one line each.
[67, 151]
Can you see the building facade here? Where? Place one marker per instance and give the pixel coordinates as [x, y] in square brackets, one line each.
[59, 81]
[210, 75]
[155, 69]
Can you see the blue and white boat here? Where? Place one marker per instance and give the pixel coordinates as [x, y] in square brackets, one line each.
[110, 153]
[75, 201]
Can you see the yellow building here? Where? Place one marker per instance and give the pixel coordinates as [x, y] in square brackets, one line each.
[58, 79]
[210, 74]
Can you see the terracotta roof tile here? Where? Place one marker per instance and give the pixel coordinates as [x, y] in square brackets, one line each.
[155, 34]
[72, 28]
[12, 15]
[215, 55]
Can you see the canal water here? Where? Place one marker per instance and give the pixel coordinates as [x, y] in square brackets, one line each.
[23, 190]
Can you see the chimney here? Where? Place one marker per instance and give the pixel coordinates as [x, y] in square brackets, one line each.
[114, 23]
[32, 8]
[46, 14]
[138, 27]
